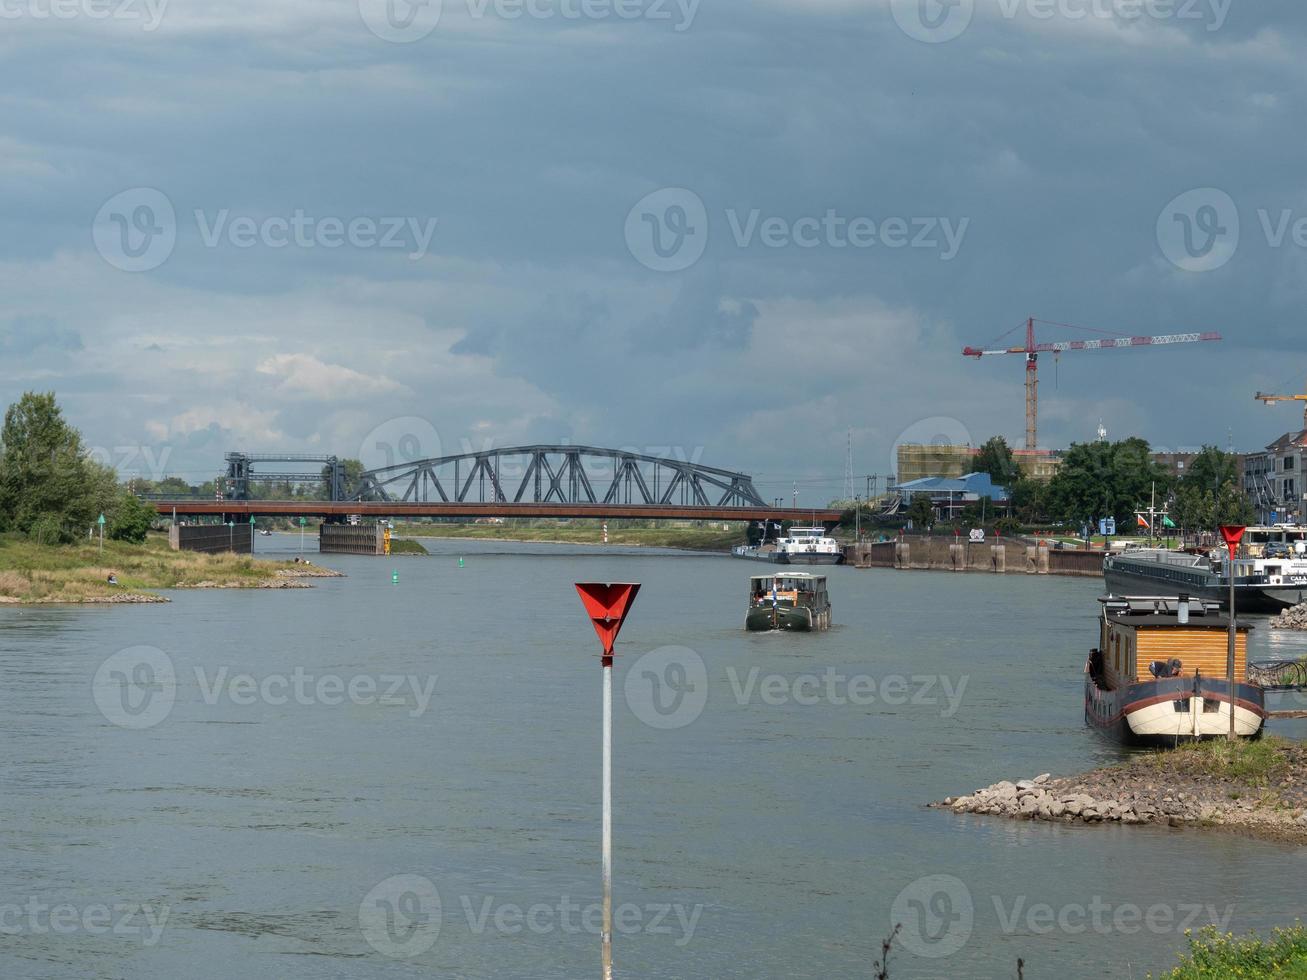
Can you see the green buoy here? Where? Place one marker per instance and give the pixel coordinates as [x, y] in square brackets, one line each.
[460, 562]
[394, 577]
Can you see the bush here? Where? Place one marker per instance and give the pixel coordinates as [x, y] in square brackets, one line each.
[131, 519]
[1213, 956]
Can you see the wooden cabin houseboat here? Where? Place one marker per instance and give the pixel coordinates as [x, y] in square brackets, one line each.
[1159, 675]
[788, 601]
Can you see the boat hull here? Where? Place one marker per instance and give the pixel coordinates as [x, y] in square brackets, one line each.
[762, 619]
[1168, 710]
[1248, 598]
[814, 558]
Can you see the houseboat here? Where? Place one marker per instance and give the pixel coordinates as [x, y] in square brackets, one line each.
[1159, 673]
[788, 601]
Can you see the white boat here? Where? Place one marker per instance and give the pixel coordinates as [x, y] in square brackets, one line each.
[800, 546]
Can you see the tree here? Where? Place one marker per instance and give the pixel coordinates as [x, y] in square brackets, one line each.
[1211, 469]
[1100, 479]
[996, 459]
[920, 512]
[131, 519]
[45, 478]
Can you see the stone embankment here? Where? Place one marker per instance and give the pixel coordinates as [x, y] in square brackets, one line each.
[1176, 789]
[1294, 618]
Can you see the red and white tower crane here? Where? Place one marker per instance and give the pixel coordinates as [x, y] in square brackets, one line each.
[1032, 350]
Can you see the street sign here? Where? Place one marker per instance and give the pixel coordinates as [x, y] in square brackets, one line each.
[977, 535]
[607, 606]
[100, 521]
[303, 521]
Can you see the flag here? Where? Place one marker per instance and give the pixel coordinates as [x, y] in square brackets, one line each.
[1143, 523]
[1167, 522]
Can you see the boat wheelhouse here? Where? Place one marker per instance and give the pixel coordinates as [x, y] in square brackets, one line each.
[1159, 674]
[795, 601]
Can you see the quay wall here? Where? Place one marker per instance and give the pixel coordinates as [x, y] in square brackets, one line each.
[212, 538]
[995, 555]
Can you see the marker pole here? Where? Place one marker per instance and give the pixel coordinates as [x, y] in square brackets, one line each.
[608, 819]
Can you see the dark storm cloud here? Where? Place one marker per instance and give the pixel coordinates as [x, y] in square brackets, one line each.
[1056, 142]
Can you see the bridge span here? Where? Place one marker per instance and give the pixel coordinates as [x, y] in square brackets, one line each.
[242, 510]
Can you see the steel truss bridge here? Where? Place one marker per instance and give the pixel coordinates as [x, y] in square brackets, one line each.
[563, 475]
[526, 481]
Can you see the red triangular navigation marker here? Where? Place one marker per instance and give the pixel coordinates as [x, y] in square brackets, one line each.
[1233, 534]
[607, 606]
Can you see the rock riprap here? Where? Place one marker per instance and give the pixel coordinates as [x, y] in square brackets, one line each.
[1293, 618]
[1170, 789]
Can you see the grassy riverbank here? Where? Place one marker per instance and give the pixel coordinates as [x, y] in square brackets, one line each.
[1213, 956]
[31, 573]
[693, 537]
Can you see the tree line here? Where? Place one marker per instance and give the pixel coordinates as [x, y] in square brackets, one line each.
[1118, 479]
[50, 488]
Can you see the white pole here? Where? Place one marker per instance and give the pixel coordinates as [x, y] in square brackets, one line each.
[607, 935]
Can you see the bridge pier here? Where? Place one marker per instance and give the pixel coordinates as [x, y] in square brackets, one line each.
[212, 538]
[352, 539]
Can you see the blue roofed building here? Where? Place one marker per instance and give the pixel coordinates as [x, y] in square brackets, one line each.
[949, 495]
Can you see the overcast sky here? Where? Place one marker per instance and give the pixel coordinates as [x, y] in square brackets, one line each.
[736, 228]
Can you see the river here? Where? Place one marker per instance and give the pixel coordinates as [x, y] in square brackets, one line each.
[381, 778]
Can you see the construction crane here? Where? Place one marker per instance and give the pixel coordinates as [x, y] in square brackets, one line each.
[1032, 351]
[1271, 399]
